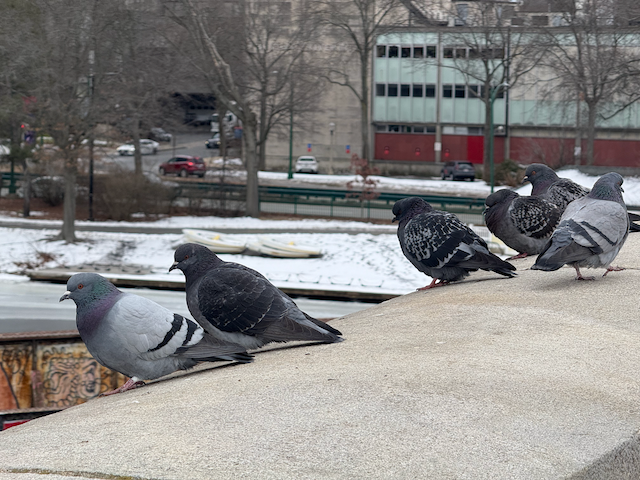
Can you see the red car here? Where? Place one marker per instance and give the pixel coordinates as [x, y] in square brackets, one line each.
[184, 165]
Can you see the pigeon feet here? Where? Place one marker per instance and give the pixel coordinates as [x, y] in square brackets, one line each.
[520, 255]
[129, 385]
[580, 277]
[613, 269]
[433, 284]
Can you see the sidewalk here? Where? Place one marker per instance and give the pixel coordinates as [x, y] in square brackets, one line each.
[491, 378]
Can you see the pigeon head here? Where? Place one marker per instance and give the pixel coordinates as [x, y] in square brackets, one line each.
[86, 288]
[540, 176]
[407, 208]
[608, 187]
[500, 196]
[191, 257]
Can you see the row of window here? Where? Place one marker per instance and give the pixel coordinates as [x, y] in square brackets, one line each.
[429, 90]
[431, 51]
[429, 129]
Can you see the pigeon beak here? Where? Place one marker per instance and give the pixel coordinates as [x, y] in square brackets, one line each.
[395, 219]
[65, 296]
[173, 266]
[525, 180]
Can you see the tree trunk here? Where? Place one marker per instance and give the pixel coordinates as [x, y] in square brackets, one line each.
[364, 104]
[262, 161]
[137, 154]
[251, 163]
[69, 206]
[26, 190]
[486, 161]
[591, 132]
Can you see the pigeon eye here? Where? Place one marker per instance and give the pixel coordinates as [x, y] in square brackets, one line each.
[186, 256]
[80, 286]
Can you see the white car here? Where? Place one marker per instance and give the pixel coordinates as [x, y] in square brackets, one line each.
[306, 163]
[147, 147]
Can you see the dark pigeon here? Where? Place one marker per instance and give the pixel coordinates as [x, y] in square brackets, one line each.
[591, 232]
[522, 223]
[137, 337]
[237, 304]
[440, 245]
[561, 191]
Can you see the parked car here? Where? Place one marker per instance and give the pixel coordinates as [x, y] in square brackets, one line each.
[160, 135]
[213, 142]
[306, 163]
[184, 165]
[458, 170]
[147, 147]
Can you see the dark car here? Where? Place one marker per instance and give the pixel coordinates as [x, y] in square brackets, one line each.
[213, 142]
[160, 135]
[458, 170]
[184, 165]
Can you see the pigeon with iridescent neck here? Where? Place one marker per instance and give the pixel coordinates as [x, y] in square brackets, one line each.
[137, 337]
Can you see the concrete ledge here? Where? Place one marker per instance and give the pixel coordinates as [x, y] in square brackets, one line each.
[526, 378]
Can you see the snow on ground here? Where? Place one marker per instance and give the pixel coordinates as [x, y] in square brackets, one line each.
[359, 262]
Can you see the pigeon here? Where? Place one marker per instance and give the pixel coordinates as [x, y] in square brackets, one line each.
[237, 304]
[591, 232]
[440, 245]
[137, 337]
[522, 223]
[561, 191]
[548, 185]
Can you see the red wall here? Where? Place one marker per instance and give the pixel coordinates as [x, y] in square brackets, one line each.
[552, 151]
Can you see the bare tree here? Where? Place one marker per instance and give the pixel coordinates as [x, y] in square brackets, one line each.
[594, 60]
[359, 22]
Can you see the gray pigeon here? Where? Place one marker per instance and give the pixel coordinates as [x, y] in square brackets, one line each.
[561, 191]
[237, 304]
[137, 337]
[591, 232]
[522, 223]
[440, 245]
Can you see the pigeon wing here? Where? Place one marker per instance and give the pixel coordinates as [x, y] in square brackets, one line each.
[534, 216]
[149, 330]
[236, 300]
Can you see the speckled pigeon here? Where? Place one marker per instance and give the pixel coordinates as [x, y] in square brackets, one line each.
[440, 245]
[137, 337]
[591, 232]
[237, 304]
[522, 223]
[561, 191]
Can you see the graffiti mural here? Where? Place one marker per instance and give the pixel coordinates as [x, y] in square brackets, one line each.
[48, 373]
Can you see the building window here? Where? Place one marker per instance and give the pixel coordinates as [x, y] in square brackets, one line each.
[418, 129]
[473, 91]
[405, 90]
[417, 90]
[447, 91]
[406, 129]
[430, 129]
[475, 131]
[460, 91]
[431, 51]
[418, 52]
[380, 89]
[393, 52]
[392, 90]
[447, 52]
[500, 93]
[381, 128]
[405, 52]
[461, 52]
[394, 128]
[381, 51]
[430, 91]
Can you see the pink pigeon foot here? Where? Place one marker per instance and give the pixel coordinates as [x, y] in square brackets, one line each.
[520, 255]
[433, 284]
[580, 277]
[129, 385]
[613, 269]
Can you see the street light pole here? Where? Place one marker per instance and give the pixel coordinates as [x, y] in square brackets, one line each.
[331, 127]
[494, 94]
[290, 174]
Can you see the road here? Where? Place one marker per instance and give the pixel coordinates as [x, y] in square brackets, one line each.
[185, 144]
[35, 306]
